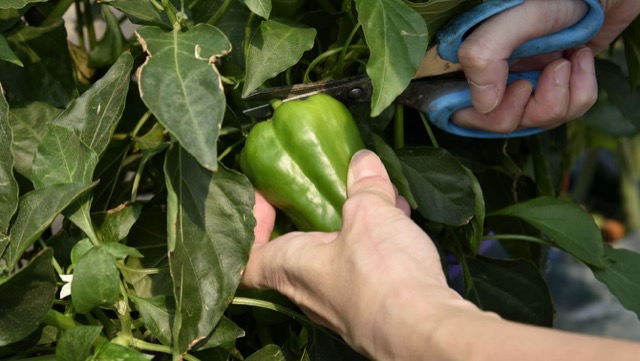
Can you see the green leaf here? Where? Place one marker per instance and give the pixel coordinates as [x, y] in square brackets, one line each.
[121, 251]
[631, 37]
[96, 280]
[6, 54]
[568, 226]
[475, 229]
[225, 332]
[109, 48]
[17, 4]
[515, 289]
[114, 225]
[267, 353]
[275, 46]
[141, 12]
[62, 158]
[436, 13]
[394, 168]
[25, 298]
[615, 113]
[29, 124]
[181, 86]
[110, 351]
[157, 313]
[36, 210]
[397, 38]
[75, 344]
[79, 249]
[46, 60]
[8, 184]
[96, 113]
[149, 236]
[440, 184]
[210, 233]
[621, 274]
[261, 8]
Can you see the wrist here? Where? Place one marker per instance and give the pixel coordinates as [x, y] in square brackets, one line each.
[414, 326]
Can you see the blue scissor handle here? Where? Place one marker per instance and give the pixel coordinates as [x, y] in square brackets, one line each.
[452, 35]
[440, 109]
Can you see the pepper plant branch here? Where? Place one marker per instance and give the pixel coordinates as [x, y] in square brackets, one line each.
[427, 126]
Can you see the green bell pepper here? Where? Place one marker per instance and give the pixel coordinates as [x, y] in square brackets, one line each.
[300, 157]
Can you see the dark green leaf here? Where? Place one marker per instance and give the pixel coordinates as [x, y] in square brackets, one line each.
[616, 111]
[75, 344]
[568, 226]
[267, 353]
[225, 332]
[514, 289]
[261, 8]
[180, 85]
[62, 158]
[110, 351]
[79, 249]
[17, 4]
[275, 46]
[631, 38]
[97, 112]
[120, 251]
[25, 298]
[440, 185]
[29, 124]
[114, 225]
[43, 51]
[394, 168]
[149, 236]
[36, 210]
[157, 313]
[475, 229]
[109, 48]
[141, 12]
[6, 54]
[209, 240]
[621, 274]
[397, 38]
[96, 280]
[8, 184]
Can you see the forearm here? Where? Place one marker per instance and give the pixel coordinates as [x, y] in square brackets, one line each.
[459, 331]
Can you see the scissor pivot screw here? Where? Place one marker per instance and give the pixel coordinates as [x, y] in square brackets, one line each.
[355, 93]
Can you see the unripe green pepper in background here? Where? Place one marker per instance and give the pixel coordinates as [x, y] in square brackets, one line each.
[300, 157]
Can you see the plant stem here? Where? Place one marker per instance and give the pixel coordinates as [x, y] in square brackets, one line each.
[143, 119]
[57, 12]
[339, 70]
[148, 346]
[230, 148]
[247, 36]
[427, 126]
[222, 10]
[60, 321]
[89, 22]
[398, 121]
[518, 237]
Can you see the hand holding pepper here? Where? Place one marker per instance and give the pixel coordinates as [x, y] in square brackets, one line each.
[380, 285]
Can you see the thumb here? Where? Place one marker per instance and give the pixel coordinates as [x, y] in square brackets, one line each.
[368, 176]
[485, 52]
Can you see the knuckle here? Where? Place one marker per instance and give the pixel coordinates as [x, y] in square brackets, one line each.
[475, 53]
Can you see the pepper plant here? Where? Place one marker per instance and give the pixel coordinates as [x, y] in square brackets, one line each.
[125, 219]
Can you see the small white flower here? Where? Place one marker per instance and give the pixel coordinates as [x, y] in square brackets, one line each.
[66, 288]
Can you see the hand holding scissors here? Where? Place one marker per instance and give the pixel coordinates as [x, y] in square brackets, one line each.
[440, 98]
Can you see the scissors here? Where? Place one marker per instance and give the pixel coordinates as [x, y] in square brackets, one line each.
[439, 98]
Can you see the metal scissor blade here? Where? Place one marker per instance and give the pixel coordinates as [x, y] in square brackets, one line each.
[348, 90]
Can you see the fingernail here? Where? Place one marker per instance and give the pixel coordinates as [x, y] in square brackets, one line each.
[561, 74]
[585, 60]
[485, 97]
[358, 169]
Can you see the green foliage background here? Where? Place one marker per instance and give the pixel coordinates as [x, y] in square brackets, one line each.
[118, 166]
